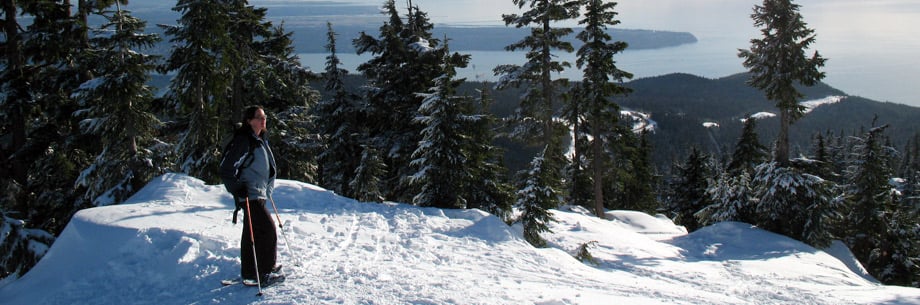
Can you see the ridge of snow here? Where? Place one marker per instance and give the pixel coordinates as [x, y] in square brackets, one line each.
[173, 241]
[813, 104]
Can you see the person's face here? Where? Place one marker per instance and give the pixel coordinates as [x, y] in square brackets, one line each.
[258, 122]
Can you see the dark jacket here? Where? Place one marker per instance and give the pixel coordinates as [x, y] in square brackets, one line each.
[240, 169]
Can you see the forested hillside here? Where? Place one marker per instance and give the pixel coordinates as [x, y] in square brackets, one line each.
[680, 104]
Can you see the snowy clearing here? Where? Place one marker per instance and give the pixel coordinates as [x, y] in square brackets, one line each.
[173, 242]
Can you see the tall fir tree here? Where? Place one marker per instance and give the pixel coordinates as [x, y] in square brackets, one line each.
[602, 80]
[283, 86]
[441, 157]
[341, 125]
[534, 118]
[45, 150]
[778, 63]
[198, 93]
[226, 56]
[871, 202]
[116, 104]
[405, 61]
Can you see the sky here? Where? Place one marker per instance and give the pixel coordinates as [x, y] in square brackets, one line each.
[173, 241]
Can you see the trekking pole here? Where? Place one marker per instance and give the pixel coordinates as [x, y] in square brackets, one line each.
[252, 237]
[283, 235]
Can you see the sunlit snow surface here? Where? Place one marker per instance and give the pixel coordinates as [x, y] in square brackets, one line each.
[173, 242]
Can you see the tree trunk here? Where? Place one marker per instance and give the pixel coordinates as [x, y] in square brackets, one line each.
[598, 175]
[14, 72]
[781, 151]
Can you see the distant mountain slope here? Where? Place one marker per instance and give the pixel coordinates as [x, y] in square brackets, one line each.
[682, 103]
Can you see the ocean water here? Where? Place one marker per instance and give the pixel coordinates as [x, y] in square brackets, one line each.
[873, 47]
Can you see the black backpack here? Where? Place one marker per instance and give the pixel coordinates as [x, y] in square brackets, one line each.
[229, 174]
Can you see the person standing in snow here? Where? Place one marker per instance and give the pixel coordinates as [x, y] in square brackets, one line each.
[248, 172]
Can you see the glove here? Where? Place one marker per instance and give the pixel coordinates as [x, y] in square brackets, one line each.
[241, 193]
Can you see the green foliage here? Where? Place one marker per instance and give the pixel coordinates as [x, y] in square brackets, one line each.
[20, 247]
[688, 190]
[115, 107]
[537, 194]
[795, 203]
[406, 61]
[442, 157]
[778, 63]
[748, 151]
[341, 128]
[583, 253]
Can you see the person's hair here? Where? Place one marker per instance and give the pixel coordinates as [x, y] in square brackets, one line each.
[248, 114]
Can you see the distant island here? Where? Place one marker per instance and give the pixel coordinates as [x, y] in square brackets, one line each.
[312, 39]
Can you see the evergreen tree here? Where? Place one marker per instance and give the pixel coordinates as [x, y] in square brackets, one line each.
[778, 63]
[897, 260]
[821, 154]
[442, 156]
[488, 188]
[406, 61]
[535, 199]
[115, 110]
[20, 247]
[911, 173]
[201, 60]
[225, 56]
[872, 232]
[283, 85]
[748, 152]
[44, 150]
[600, 82]
[341, 126]
[732, 200]
[366, 183]
[534, 118]
[795, 203]
[689, 190]
[632, 173]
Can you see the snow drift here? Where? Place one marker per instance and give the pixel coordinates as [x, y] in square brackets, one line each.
[173, 241]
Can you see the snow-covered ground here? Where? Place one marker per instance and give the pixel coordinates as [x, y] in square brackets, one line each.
[173, 241]
[812, 104]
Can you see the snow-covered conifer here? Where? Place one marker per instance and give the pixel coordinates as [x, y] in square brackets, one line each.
[778, 63]
[114, 109]
[536, 196]
[341, 126]
[441, 157]
[795, 203]
[20, 247]
[688, 190]
[406, 59]
[366, 184]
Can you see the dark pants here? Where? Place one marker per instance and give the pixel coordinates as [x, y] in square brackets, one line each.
[266, 240]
